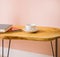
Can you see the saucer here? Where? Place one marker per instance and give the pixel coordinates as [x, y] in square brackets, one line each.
[35, 30]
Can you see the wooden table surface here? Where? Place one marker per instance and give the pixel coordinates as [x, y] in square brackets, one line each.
[44, 33]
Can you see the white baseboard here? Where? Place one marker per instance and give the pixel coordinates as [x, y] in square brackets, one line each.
[19, 53]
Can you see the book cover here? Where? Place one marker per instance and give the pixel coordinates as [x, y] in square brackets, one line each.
[5, 27]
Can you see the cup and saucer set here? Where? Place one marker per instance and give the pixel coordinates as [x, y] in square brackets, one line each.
[30, 28]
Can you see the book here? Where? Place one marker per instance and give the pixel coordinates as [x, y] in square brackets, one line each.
[5, 27]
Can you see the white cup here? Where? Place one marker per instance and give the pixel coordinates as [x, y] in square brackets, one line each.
[30, 27]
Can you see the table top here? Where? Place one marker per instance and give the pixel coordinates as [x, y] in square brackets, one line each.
[44, 33]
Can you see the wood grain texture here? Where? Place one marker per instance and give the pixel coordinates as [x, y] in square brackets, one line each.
[43, 33]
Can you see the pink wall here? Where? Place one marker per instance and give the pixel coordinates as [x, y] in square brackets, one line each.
[40, 12]
[45, 12]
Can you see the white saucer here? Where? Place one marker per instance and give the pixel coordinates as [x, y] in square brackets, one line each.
[30, 30]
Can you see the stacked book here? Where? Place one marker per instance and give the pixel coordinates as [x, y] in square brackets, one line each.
[5, 27]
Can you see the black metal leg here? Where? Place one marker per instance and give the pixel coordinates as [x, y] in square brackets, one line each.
[9, 47]
[56, 47]
[2, 47]
[52, 49]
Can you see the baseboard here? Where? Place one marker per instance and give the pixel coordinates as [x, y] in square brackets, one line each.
[20, 53]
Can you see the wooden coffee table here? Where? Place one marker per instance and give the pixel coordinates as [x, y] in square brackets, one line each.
[43, 34]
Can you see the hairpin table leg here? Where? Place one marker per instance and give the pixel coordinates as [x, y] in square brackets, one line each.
[56, 47]
[52, 49]
[2, 47]
[9, 47]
